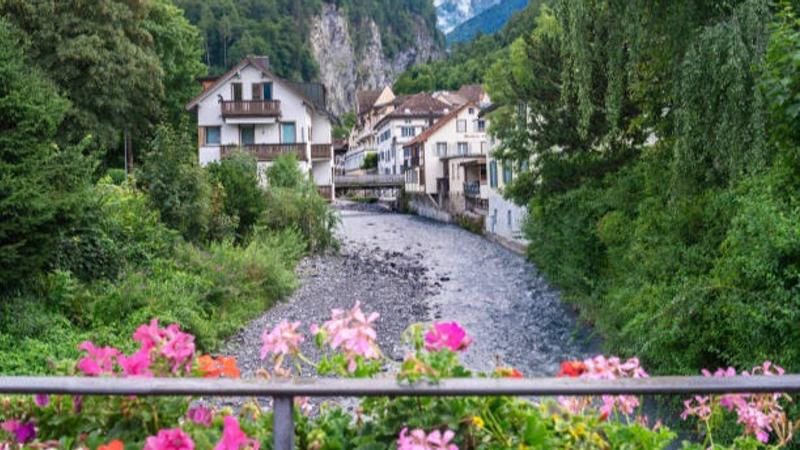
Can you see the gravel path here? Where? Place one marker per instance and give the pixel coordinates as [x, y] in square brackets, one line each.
[410, 270]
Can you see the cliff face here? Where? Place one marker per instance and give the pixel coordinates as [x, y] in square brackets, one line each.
[345, 67]
[451, 13]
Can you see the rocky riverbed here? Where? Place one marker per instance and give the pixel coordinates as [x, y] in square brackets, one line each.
[409, 270]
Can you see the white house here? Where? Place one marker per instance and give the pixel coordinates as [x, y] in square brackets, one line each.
[371, 106]
[409, 119]
[251, 108]
[448, 161]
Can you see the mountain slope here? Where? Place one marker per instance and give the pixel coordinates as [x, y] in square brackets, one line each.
[372, 40]
[489, 21]
[451, 13]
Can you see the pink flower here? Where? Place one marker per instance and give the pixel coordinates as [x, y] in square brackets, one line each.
[41, 400]
[447, 335]
[418, 440]
[172, 439]
[200, 415]
[233, 438]
[178, 348]
[98, 360]
[282, 340]
[352, 332]
[699, 406]
[612, 368]
[23, 432]
[136, 365]
[149, 336]
[170, 343]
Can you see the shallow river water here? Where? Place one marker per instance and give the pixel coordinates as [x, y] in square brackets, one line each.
[514, 316]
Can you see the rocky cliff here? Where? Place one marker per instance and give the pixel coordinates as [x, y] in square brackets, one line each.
[346, 66]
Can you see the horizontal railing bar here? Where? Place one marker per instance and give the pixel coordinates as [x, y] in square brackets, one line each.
[390, 387]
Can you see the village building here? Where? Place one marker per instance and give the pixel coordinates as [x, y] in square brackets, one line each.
[371, 106]
[447, 162]
[252, 109]
[407, 120]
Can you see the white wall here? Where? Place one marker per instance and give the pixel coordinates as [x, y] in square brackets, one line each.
[392, 148]
[505, 218]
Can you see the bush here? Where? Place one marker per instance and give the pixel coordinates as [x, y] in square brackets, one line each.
[244, 197]
[370, 162]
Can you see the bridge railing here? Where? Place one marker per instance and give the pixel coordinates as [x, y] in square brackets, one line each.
[284, 392]
[369, 180]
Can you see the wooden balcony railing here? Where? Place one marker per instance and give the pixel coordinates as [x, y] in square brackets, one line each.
[321, 151]
[269, 152]
[326, 192]
[251, 108]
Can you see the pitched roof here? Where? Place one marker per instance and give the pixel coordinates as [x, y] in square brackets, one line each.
[262, 63]
[451, 98]
[365, 100]
[472, 92]
[422, 137]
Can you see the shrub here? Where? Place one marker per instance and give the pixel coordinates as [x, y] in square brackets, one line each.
[244, 198]
[370, 162]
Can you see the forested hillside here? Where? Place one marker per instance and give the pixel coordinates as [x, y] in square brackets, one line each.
[664, 186]
[468, 62]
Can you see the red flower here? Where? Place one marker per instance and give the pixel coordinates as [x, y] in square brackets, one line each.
[219, 367]
[508, 372]
[572, 369]
[113, 445]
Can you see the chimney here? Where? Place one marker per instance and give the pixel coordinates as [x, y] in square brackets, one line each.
[262, 60]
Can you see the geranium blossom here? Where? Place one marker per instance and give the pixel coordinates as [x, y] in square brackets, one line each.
[113, 445]
[418, 440]
[758, 413]
[448, 335]
[233, 438]
[172, 439]
[200, 415]
[282, 340]
[98, 360]
[222, 366]
[41, 400]
[136, 365]
[602, 368]
[23, 432]
[170, 342]
[353, 332]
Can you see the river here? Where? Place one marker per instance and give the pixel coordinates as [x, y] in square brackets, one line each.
[409, 270]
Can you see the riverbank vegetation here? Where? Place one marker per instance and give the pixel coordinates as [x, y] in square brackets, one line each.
[664, 174]
[88, 253]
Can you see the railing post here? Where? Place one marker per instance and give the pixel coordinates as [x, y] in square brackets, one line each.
[283, 423]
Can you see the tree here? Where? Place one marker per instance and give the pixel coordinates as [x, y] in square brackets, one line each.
[244, 197]
[101, 56]
[42, 187]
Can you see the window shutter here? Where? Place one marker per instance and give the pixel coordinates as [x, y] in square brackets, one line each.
[201, 136]
[257, 91]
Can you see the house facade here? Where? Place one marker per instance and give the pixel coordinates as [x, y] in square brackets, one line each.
[251, 108]
[448, 161]
[371, 107]
[407, 120]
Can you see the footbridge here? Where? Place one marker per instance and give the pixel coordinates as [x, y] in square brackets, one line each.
[369, 185]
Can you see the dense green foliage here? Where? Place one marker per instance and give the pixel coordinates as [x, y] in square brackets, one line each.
[280, 29]
[467, 63]
[663, 182]
[82, 258]
[489, 21]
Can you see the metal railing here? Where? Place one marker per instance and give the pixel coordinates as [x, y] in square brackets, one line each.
[472, 188]
[259, 108]
[284, 392]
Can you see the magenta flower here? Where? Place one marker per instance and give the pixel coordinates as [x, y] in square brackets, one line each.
[282, 340]
[172, 439]
[233, 438]
[98, 360]
[41, 400]
[178, 348]
[699, 406]
[447, 335]
[23, 432]
[136, 365]
[149, 336]
[418, 440]
[200, 415]
[170, 342]
[612, 368]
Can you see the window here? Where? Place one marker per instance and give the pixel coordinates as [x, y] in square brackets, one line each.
[461, 126]
[493, 174]
[523, 166]
[256, 91]
[463, 148]
[288, 133]
[480, 125]
[522, 109]
[247, 134]
[441, 149]
[508, 175]
[236, 91]
[509, 220]
[407, 131]
[267, 91]
[213, 135]
[472, 111]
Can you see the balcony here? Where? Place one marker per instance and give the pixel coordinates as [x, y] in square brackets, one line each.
[471, 150]
[326, 192]
[251, 108]
[321, 151]
[269, 152]
[472, 189]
